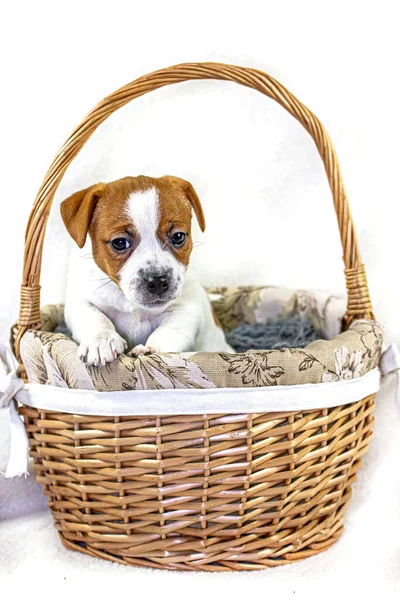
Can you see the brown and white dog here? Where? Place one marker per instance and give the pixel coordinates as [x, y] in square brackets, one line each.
[129, 283]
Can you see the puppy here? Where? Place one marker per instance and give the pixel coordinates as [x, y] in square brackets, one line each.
[129, 283]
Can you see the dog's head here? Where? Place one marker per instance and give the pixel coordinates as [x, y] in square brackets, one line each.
[140, 228]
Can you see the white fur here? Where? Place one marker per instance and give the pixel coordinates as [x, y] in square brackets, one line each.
[107, 321]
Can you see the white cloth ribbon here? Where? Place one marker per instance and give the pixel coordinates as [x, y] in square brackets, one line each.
[180, 401]
[390, 363]
[10, 385]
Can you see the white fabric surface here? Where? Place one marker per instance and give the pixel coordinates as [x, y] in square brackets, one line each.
[390, 363]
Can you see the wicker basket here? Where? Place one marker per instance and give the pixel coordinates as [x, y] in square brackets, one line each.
[198, 492]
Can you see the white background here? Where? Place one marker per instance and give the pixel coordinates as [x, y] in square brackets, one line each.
[262, 184]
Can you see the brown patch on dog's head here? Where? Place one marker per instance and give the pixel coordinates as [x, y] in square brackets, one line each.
[177, 198]
[187, 190]
[77, 211]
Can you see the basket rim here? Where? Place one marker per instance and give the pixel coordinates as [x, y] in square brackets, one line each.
[186, 401]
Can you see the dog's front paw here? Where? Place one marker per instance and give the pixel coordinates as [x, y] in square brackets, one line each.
[140, 349]
[102, 348]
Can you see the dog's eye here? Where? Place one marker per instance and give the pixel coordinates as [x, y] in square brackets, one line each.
[178, 239]
[120, 244]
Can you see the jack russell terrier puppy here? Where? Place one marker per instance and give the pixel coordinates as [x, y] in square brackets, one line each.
[129, 285]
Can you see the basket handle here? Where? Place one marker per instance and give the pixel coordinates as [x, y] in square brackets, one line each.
[358, 303]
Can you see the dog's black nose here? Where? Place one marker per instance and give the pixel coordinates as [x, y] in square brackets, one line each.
[157, 284]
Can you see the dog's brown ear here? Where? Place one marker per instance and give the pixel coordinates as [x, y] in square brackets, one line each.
[77, 211]
[191, 195]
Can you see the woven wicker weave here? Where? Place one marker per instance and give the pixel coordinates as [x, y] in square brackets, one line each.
[189, 492]
[223, 492]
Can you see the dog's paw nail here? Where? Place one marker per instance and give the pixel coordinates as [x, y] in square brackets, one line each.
[152, 350]
[83, 355]
[141, 350]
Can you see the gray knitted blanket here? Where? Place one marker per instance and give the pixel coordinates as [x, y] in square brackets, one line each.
[293, 332]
